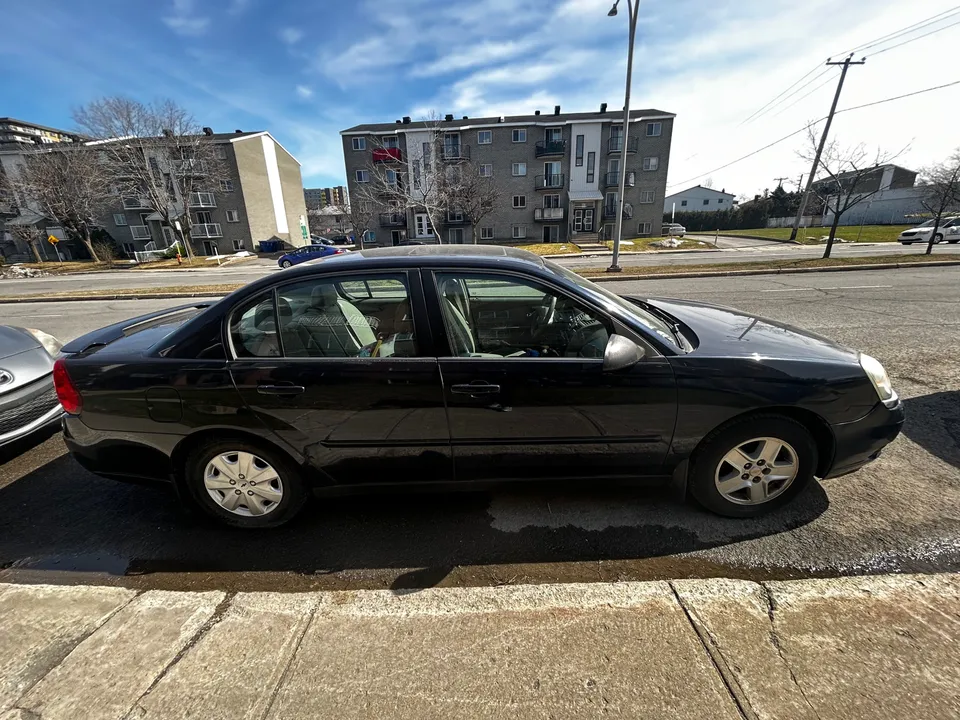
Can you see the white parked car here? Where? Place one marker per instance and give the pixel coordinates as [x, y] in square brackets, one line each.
[673, 230]
[948, 230]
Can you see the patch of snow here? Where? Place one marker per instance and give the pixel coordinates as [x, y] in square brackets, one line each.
[18, 272]
[667, 243]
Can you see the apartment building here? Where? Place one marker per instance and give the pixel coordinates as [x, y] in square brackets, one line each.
[699, 199]
[317, 198]
[260, 199]
[15, 133]
[559, 174]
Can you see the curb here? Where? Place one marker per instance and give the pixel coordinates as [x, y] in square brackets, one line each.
[613, 277]
[598, 278]
[759, 237]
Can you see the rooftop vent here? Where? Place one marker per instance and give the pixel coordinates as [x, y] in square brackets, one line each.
[406, 119]
[399, 122]
[448, 117]
[465, 117]
[238, 131]
[501, 119]
[536, 112]
[167, 132]
[208, 131]
[603, 107]
[556, 109]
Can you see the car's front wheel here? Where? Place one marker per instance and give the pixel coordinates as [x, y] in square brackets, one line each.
[244, 485]
[938, 238]
[752, 466]
[286, 264]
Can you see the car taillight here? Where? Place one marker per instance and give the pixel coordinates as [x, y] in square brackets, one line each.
[67, 392]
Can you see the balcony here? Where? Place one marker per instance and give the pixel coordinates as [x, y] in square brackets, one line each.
[202, 200]
[610, 211]
[615, 144]
[387, 155]
[393, 220]
[549, 182]
[548, 214]
[455, 153]
[612, 179]
[136, 203]
[550, 147]
[140, 232]
[206, 230]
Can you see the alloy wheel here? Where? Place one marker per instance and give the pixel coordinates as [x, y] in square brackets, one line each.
[756, 471]
[243, 484]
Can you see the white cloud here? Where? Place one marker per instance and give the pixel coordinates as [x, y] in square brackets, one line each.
[474, 55]
[183, 21]
[304, 92]
[291, 36]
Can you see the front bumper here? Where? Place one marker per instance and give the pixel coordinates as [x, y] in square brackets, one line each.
[28, 410]
[860, 442]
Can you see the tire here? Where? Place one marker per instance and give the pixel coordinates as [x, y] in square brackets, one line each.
[709, 467]
[938, 238]
[285, 264]
[274, 509]
[953, 241]
[906, 242]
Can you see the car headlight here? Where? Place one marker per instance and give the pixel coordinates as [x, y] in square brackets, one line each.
[49, 342]
[881, 381]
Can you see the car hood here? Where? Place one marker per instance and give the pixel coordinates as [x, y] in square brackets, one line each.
[14, 340]
[731, 333]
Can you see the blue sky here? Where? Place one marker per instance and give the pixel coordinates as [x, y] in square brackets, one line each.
[305, 70]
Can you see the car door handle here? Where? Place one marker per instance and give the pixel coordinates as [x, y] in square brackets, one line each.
[475, 389]
[280, 389]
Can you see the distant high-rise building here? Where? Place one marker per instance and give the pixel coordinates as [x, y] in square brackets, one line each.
[322, 197]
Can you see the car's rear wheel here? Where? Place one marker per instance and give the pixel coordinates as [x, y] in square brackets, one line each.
[938, 238]
[286, 264]
[752, 466]
[244, 485]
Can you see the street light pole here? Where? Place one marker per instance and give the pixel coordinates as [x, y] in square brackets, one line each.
[633, 7]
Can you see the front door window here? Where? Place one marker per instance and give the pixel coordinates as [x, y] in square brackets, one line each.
[588, 220]
[551, 173]
[578, 220]
[551, 233]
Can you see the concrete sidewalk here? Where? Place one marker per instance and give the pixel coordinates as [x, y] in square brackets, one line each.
[866, 647]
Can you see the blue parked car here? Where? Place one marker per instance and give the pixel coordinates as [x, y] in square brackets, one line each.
[307, 252]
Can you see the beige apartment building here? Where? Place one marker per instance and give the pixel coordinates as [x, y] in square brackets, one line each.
[260, 199]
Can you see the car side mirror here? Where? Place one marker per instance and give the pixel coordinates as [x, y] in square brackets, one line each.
[621, 353]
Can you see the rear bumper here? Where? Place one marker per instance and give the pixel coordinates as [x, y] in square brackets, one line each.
[128, 458]
[860, 442]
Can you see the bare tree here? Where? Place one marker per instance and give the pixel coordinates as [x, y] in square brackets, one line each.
[68, 185]
[472, 194]
[156, 152]
[941, 193]
[360, 216]
[30, 235]
[843, 178]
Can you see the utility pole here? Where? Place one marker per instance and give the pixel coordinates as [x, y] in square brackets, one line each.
[847, 62]
[800, 183]
[780, 181]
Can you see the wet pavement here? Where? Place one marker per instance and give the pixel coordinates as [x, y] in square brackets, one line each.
[60, 524]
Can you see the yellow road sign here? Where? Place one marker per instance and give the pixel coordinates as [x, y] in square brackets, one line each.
[53, 239]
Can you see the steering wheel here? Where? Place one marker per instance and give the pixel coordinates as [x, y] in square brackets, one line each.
[544, 315]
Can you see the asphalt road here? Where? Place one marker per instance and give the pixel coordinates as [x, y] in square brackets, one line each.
[902, 513]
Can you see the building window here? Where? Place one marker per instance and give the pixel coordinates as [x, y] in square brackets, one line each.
[233, 216]
[360, 143]
[644, 228]
[238, 245]
[683, 203]
[455, 235]
[579, 150]
[366, 206]
[391, 177]
[119, 219]
[129, 248]
[220, 152]
[370, 236]
[551, 201]
[391, 143]
[520, 135]
[519, 231]
[454, 216]
[651, 163]
[484, 137]
[519, 169]
[519, 201]
[719, 201]
[486, 233]
[706, 202]
[486, 170]
[591, 162]
[654, 129]
[226, 185]
[646, 196]
[363, 176]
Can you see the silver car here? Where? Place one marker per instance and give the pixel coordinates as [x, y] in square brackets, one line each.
[28, 401]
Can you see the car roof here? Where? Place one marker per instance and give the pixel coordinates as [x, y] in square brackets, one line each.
[416, 255]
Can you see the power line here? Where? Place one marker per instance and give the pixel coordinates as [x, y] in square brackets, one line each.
[919, 37]
[782, 110]
[760, 110]
[809, 125]
[939, 17]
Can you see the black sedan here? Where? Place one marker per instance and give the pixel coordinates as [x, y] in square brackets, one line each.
[446, 365]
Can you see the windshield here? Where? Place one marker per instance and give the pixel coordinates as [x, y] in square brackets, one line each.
[605, 297]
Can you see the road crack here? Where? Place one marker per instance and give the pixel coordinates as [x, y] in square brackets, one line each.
[775, 641]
